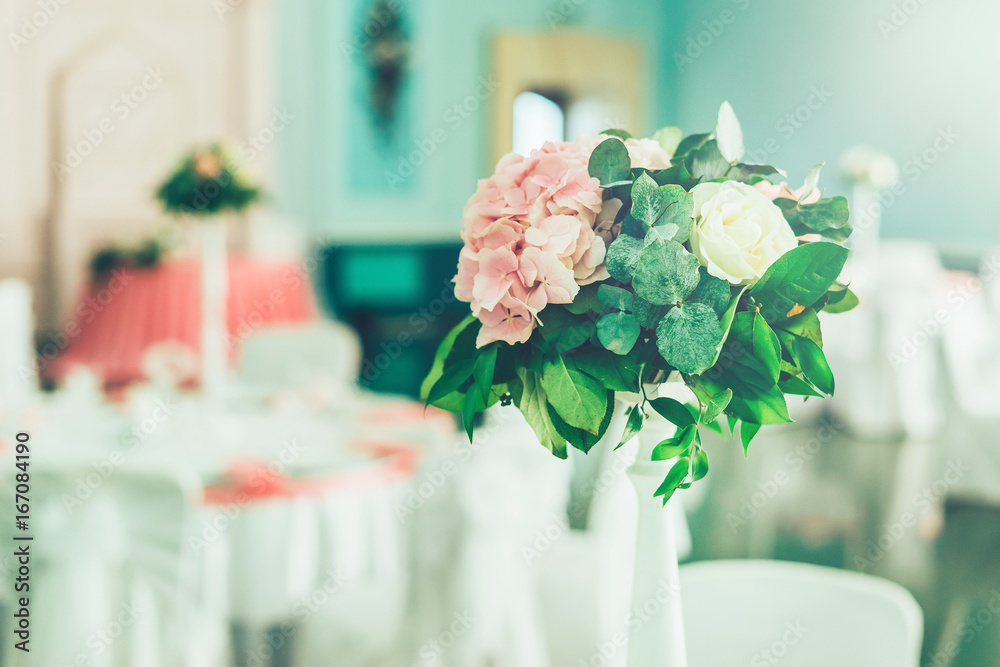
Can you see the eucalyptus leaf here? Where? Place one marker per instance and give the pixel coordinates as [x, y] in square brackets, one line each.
[615, 297]
[648, 201]
[622, 257]
[711, 291]
[621, 134]
[687, 337]
[609, 162]
[679, 211]
[647, 314]
[618, 332]
[665, 273]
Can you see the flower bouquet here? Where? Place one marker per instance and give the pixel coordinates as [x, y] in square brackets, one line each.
[611, 264]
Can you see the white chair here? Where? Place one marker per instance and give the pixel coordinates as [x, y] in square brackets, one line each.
[114, 579]
[771, 612]
[293, 356]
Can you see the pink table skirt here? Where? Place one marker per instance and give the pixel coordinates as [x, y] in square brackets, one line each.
[115, 323]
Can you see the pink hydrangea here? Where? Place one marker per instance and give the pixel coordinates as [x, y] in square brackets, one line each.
[530, 239]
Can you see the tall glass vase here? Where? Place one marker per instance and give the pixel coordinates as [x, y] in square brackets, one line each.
[214, 288]
[656, 636]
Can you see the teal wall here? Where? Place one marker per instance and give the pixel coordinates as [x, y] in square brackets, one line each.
[898, 72]
[329, 171]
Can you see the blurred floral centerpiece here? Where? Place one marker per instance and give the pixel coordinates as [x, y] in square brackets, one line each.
[207, 182]
[610, 265]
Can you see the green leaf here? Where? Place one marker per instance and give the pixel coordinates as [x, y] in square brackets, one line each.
[579, 438]
[747, 432]
[711, 291]
[648, 201]
[687, 337]
[750, 173]
[483, 370]
[666, 273]
[618, 332]
[469, 411]
[813, 362]
[726, 322]
[615, 297]
[699, 465]
[674, 479]
[800, 277]
[674, 411]
[444, 350]
[610, 163]
[623, 255]
[647, 314]
[707, 163]
[586, 301]
[754, 334]
[846, 300]
[679, 211]
[564, 332]
[632, 425]
[621, 134]
[579, 399]
[453, 377]
[716, 405]
[805, 324]
[690, 143]
[617, 373]
[677, 445]
[668, 138]
[531, 401]
[796, 386]
[829, 217]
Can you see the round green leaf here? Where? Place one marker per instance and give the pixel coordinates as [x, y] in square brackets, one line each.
[687, 337]
[666, 273]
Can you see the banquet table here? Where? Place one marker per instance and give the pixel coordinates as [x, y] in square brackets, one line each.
[115, 323]
[209, 518]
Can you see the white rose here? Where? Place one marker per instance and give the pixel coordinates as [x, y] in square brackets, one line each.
[738, 232]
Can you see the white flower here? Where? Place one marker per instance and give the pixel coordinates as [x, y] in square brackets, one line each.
[647, 153]
[738, 232]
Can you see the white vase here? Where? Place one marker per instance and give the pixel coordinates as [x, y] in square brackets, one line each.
[214, 287]
[656, 635]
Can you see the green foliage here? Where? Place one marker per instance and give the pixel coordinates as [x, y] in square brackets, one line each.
[666, 273]
[799, 278]
[687, 337]
[206, 182]
[610, 163]
[829, 217]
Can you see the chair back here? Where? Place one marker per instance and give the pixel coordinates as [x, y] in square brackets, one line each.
[771, 612]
